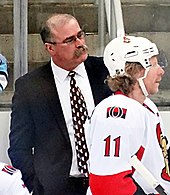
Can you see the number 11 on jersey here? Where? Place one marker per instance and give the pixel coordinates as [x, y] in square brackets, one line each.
[108, 141]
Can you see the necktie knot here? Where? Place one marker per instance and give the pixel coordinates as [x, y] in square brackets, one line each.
[71, 74]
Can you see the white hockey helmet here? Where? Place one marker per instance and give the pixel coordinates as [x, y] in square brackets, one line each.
[128, 49]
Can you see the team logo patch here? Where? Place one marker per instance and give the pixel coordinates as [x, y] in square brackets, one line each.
[9, 169]
[116, 112]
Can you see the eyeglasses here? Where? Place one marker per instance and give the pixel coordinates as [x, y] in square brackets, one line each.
[69, 40]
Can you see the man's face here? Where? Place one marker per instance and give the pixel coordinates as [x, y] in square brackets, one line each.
[70, 49]
[153, 77]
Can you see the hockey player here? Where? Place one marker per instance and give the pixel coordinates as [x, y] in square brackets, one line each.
[122, 127]
[10, 178]
[3, 73]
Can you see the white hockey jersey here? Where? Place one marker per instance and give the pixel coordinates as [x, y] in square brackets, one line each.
[10, 181]
[118, 129]
[121, 127]
[154, 151]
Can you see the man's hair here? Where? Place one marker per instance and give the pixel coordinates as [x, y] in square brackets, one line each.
[54, 21]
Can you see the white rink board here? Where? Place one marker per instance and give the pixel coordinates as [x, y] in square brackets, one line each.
[5, 124]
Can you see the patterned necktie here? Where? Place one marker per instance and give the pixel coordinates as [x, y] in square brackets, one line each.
[79, 116]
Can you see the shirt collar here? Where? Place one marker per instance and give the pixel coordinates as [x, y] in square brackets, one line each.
[61, 74]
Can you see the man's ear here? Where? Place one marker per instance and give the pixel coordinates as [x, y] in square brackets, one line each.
[50, 48]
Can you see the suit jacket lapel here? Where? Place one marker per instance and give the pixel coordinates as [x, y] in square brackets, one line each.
[49, 88]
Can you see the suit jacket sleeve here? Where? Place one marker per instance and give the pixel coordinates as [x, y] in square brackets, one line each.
[21, 134]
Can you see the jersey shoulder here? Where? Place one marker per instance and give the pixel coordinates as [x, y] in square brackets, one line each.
[8, 173]
[10, 181]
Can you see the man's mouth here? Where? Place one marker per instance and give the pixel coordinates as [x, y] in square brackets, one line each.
[81, 50]
[158, 81]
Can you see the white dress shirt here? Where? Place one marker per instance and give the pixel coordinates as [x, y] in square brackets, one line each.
[62, 81]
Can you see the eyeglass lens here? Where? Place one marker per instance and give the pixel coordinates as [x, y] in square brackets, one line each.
[80, 35]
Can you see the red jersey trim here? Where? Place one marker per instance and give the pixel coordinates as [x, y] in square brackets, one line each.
[121, 183]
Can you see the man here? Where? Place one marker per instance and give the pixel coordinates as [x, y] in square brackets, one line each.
[10, 178]
[42, 143]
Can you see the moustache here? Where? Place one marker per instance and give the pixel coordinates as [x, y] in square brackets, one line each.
[81, 49]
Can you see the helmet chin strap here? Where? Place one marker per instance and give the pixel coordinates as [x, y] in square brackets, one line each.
[141, 83]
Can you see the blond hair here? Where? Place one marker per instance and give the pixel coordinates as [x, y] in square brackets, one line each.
[125, 82]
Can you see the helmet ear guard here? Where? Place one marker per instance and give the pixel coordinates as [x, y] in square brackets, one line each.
[128, 49]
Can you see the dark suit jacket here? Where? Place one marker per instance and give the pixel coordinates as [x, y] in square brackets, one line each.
[38, 126]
